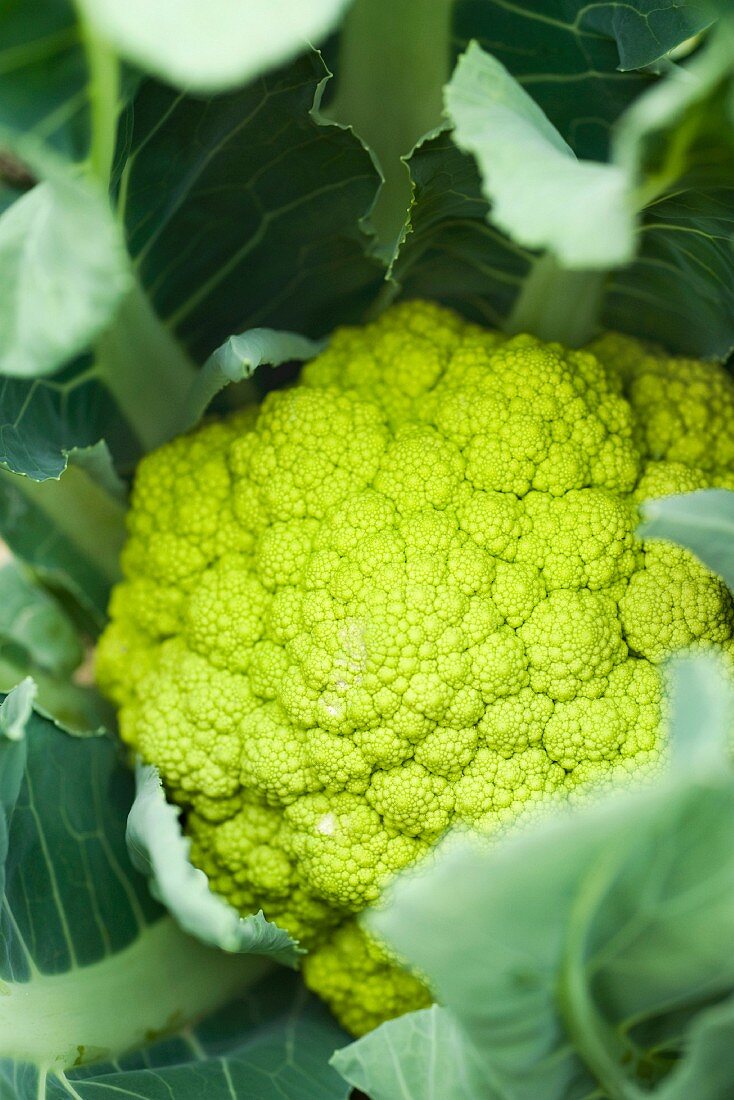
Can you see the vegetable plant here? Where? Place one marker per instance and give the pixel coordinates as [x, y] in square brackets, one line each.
[366, 473]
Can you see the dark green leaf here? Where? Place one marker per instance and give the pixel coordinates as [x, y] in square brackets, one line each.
[43, 75]
[680, 290]
[90, 966]
[646, 30]
[451, 253]
[43, 420]
[564, 56]
[254, 224]
[70, 531]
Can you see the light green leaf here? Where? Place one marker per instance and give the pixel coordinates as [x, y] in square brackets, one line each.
[16, 709]
[273, 1043]
[541, 194]
[580, 928]
[237, 360]
[426, 1052]
[214, 46]
[702, 522]
[707, 1070]
[679, 290]
[159, 850]
[701, 698]
[63, 270]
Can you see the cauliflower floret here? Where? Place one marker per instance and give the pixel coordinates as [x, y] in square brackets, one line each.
[406, 594]
[352, 958]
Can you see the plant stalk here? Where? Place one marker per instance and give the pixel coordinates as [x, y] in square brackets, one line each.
[103, 90]
[394, 59]
[558, 304]
[145, 369]
[598, 1046]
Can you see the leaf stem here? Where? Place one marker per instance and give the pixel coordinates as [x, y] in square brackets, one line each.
[103, 90]
[558, 304]
[394, 59]
[598, 1046]
[99, 1011]
[145, 368]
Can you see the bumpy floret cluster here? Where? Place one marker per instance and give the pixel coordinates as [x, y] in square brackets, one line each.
[403, 595]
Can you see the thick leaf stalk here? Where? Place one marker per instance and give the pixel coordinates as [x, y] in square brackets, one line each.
[394, 60]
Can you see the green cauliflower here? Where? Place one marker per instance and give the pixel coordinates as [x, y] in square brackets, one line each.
[403, 595]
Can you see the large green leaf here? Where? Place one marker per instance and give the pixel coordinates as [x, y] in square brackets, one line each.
[423, 1055]
[556, 950]
[571, 54]
[522, 157]
[256, 223]
[91, 966]
[214, 46]
[274, 1043]
[43, 75]
[89, 963]
[673, 161]
[299, 264]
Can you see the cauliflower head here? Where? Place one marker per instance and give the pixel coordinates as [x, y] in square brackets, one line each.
[406, 594]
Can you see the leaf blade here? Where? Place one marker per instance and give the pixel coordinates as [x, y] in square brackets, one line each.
[211, 49]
